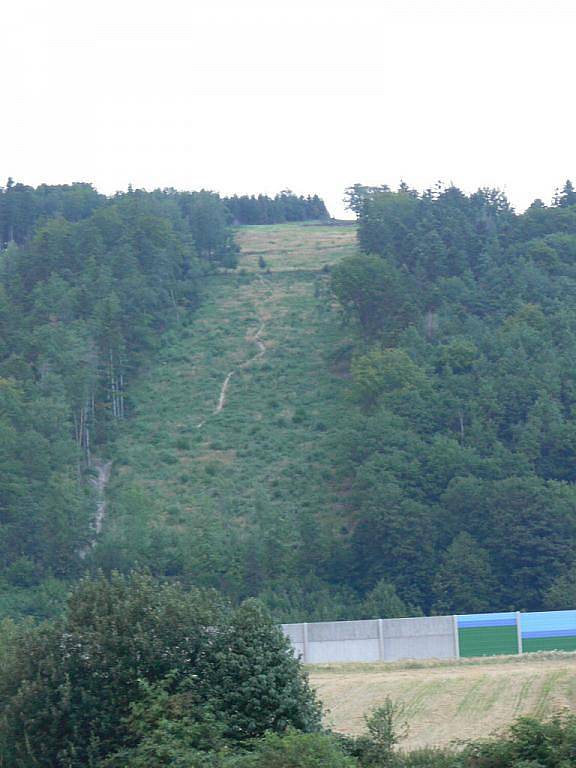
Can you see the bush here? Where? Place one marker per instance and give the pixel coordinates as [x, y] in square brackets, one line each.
[386, 727]
[529, 743]
[296, 750]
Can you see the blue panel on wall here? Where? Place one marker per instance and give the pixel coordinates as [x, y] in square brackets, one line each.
[550, 633]
[556, 623]
[472, 620]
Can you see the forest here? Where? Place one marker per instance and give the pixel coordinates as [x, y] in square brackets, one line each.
[461, 450]
[436, 476]
[283, 207]
[449, 459]
[88, 284]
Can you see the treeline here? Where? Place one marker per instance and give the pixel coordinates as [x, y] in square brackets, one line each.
[460, 456]
[283, 207]
[87, 286]
[22, 207]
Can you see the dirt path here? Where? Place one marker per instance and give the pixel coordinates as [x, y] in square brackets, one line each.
[255, 338]
[449, 701]
[103, 470]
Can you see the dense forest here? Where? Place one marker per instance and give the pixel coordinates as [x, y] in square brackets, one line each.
[445, 478]
[283, 207]
[87, 286]
[460, 455]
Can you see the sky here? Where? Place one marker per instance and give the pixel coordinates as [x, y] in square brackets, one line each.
[249, 96]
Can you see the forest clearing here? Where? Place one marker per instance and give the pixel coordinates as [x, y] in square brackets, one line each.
[231, 425]
[448, 701]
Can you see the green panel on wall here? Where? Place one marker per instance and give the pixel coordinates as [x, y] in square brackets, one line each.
[532, 644]
[488, 641]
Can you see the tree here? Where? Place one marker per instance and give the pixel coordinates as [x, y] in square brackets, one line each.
[464, 582]
[562, 594]
[70, 688]
[382, 602]
[255, 679]
[382, 372]
[374, 293]
[67, 694]
[356, 196]
[568, 195]
[296, 750]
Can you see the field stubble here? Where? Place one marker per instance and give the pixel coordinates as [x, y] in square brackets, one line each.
[452, 700]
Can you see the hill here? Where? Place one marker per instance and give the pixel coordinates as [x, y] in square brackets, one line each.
[346, 429]
[415, 458]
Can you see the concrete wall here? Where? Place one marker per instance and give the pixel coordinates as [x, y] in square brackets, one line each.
[343, 641]
[422, 638]
[295, 633]
[374, 639]
[433, 637]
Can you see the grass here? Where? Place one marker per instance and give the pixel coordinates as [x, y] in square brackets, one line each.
[449, 701]
[294, 246]
[268, 451]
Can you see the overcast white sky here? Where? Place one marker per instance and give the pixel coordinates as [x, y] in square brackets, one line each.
[258, 95]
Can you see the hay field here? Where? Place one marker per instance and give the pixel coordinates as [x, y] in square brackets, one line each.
[447, 701]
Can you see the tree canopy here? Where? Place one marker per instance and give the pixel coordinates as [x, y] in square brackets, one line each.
[128, 657]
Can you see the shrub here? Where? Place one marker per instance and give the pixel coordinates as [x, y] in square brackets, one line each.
[529, 743]
[296, 750]
[386, 727]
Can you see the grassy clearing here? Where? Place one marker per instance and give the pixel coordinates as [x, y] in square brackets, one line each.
[267, 452]
[449, 700]
[294, 246]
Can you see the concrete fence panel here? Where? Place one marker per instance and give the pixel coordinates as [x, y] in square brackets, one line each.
[343, 641]
[420, 638]
[373, 639]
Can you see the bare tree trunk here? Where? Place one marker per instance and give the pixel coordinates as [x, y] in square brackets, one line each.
[121, 396]
[113, 386]
[176, 309]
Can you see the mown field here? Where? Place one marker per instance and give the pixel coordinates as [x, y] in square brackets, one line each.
[199, 476]
[449, 701]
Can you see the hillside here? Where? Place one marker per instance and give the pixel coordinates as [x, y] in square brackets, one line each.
[448, 701]
[344, 428]
[224, 474]
[417, 458]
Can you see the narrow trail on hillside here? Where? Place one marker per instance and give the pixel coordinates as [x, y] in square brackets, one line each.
[255, 338]
[103, 470]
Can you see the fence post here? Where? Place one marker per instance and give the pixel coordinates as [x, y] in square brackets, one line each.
[456, 636]
[305, 642]
[381, 639]
[519, 631]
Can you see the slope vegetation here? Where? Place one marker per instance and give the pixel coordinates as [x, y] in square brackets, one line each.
[225, 475]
